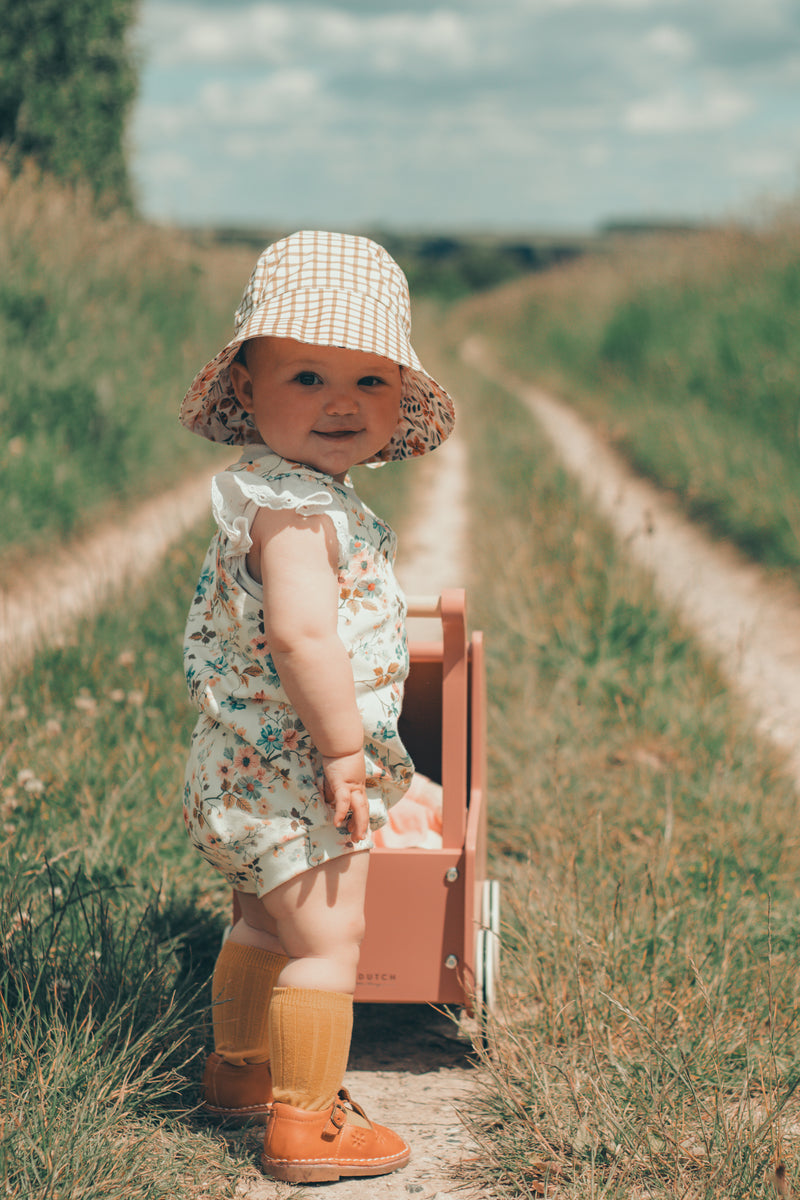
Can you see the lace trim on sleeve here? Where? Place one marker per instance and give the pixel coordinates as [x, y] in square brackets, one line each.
[236, 497]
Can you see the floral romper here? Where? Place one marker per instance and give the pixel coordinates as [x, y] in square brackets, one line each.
[253, 802]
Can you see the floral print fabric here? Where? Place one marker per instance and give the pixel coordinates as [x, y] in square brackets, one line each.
[253, 801]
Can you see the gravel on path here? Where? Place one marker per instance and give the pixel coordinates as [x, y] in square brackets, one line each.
[410, 1069]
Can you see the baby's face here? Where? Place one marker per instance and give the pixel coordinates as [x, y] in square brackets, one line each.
[320, 405]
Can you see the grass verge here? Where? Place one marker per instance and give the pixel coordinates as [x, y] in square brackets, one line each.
[648, 1042]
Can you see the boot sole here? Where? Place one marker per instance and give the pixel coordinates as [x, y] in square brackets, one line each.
[327, 1172]
[236, 1116]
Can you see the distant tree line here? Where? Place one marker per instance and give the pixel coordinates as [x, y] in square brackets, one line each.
[447, 266]
[67, 81]
[451, 266]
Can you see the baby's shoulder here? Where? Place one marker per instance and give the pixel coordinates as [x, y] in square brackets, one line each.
[264, 481]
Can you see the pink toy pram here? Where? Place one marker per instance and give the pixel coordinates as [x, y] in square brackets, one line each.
[432, 915]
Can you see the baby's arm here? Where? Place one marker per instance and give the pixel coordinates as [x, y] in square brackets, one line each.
[297, 559]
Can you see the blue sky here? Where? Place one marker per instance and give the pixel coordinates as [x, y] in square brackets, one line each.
[507, 115]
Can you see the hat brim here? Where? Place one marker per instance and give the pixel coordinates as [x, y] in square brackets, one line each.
[210, 407]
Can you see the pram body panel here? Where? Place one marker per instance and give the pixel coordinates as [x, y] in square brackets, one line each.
[424, 905]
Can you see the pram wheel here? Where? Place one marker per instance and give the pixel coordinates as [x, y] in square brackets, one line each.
[487, 950]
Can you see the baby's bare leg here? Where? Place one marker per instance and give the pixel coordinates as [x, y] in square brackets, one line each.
[317, 919]
[255, 927]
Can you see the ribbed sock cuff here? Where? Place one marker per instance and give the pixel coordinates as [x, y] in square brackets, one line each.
[310, 1033]
[244, 978]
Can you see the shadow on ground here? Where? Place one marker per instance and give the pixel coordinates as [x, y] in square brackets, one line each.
[408, 1038]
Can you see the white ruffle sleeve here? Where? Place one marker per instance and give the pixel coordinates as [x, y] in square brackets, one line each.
[238, 493]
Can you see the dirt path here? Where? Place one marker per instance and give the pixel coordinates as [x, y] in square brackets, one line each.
[751, 623]
[76, 582]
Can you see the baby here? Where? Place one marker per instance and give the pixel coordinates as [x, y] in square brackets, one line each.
[296, 655]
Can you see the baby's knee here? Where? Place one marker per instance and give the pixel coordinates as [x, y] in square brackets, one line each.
[354, 927]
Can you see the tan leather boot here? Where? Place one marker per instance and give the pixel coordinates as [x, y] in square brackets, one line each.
[314, 1147]
[238, 1095]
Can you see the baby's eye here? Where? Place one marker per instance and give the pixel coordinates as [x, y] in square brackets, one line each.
[371, 381]
[307, 378]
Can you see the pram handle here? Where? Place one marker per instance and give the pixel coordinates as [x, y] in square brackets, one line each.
[451, 609]
[424, 606]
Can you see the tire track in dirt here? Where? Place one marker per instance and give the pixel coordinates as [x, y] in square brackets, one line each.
[751, 623]
[54, 594]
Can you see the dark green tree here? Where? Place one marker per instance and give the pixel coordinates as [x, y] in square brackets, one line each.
[67, 80]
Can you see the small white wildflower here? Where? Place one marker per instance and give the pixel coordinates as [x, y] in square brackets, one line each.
[16, 447]
[126, 658]
[85, 702]
[52, 727]
[118, 696]
[136, 698]
[19, 713]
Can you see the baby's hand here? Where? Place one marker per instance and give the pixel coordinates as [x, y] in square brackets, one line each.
[346, 793]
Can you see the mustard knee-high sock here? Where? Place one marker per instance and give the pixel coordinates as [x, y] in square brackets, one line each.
[309, 1033]
[244, 977]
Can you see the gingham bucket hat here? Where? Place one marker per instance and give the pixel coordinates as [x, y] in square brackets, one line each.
[329, 289]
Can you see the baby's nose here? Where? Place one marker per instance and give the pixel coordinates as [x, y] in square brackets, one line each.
[342, 400]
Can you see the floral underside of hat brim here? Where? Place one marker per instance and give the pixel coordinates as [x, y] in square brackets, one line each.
[212, 410]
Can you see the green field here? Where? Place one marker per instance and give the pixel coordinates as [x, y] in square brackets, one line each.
[645, 837]
[683, 350]
[103, 323]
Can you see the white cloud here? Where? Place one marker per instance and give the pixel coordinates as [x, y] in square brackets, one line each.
[208, 40]
[670, 42]
[260, 102]
[175, 34]
[168, 166]
[392, 37]
[766, 164]
[595, 154]
[614, 5]
[182, 34]
[675, 111]
[162, 121]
